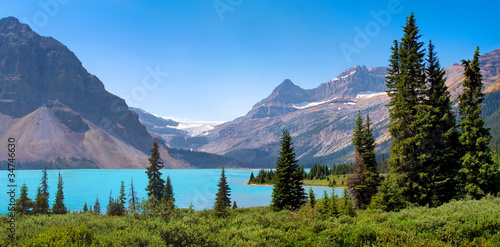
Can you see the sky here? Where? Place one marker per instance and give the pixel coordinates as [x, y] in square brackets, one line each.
[214, 59]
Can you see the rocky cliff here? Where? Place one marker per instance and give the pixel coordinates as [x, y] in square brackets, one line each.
[55, 108]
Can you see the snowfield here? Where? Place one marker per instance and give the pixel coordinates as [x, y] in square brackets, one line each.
[195, 128]
[366, 95]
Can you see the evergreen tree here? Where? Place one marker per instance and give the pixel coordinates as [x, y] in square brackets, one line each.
[42, 197]
[440, 142]
[85, 208]
[477, 174]
[347, 206]
[156, 183]
[168, 195]
[288, 192]
[97, 206]
[312, 199]
[41, 203]
[409, 115]
[334, 211]
[222, 200]
[325, 206]
[133, 197]
[121, 200]
[110, 202]
[365, 178]
[389, 196]
[59, 207]
[235, 206]
[23, 203]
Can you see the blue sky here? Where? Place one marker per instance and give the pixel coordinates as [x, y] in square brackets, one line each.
[213, 60]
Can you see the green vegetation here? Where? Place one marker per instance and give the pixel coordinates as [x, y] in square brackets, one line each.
[288, 192]
[222, 199]
[59, 207]
[477, 175]
[365, 178]
[263, 177]
[156, 183]
[458, 223]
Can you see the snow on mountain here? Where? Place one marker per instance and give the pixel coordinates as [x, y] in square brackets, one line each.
[195, 128]
[368, 94]
[305, 105]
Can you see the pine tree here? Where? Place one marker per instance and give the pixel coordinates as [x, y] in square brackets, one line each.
[156, 183]
[23, 203]
[39, 206]
[477, 174]
[133, 197]
[325, 206]
[408, 113]
[59, 207]
[222, 200]
[440, 142]
[365, 178]
[97, 206]
[121, 200]
[168, 195]
[110, 202]
[347, 206]
[312, 199]
[288, 192]
[85, 208]
[334, 211]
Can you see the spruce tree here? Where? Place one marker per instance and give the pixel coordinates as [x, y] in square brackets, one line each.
[133, 196]
[121, 200]
[334, 211]
[168, 195]
[85, 208]
[235, 206]
[440, 144]
[477, 174]
[312, 199]
[222, 200]
[39, 206]
[156, 183]
[325, 209]
[59, 207]
[24, 204]
[365, 178]
[409, 112]
[288, 192]
[97, 206]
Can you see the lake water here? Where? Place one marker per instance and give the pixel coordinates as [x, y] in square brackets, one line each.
[196, 186]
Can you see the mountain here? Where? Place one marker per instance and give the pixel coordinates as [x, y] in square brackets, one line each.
[320, 120]
[56, 110]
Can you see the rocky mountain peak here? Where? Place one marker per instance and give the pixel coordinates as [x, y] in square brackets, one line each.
[39, 72]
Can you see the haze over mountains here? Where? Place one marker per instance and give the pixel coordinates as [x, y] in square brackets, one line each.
[59, 112]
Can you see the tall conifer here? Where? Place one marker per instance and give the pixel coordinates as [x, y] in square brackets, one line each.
[156, 183]
[23, 205]
[222, 200]
[59, 207]
[288, 192]
[477, 174]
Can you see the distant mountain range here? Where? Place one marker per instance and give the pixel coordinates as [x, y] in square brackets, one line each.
[62, 116]
[320, 120]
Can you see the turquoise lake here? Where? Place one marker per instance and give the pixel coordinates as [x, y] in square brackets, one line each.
[196, 186]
